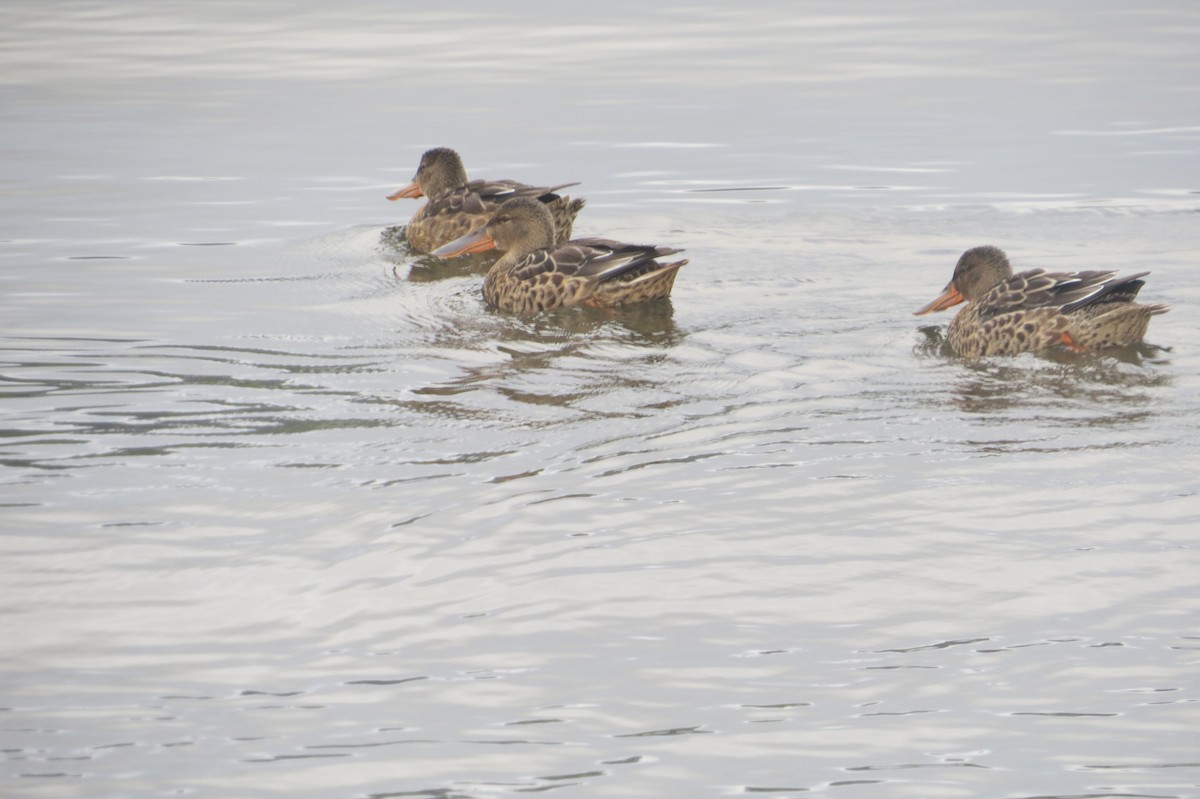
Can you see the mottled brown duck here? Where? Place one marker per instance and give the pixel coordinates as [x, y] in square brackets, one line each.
[457, 206]
[1037, 310]
[535, 274]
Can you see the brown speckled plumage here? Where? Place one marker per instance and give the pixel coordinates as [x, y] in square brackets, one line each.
[1035, 310]
[536, 275]
[456, 206]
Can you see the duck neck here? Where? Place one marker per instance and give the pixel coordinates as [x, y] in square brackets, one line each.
[505, 262]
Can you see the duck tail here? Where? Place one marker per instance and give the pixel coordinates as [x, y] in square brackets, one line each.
[1114, 290]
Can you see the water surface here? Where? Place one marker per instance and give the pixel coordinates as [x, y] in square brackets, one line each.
[287, 513]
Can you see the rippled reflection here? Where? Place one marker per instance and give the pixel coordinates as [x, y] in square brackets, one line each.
[287, 511]
[1118, 384]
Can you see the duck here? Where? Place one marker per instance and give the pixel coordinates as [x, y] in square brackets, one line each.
[1037, 310]
[536, 274]
[457, 205]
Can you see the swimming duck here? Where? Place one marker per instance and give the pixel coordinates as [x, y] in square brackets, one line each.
[1036, 309]
[457, 206]
[535, 274]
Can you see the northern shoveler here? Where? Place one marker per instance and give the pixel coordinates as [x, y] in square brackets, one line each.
[1036, 309]
[457, 206]
[535, 274]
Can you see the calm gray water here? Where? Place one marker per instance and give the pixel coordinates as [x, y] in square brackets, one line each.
[286, 514]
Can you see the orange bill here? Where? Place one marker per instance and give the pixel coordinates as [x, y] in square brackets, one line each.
[411, 191]
[477, 240]
[947, 299]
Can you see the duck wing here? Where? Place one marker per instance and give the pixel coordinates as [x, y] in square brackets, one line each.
[1066, 291]
[479, 197]
[593, 259]
[500, 190]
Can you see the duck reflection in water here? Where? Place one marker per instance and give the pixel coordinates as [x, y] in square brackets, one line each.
[1052, 383]
[561, 349]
